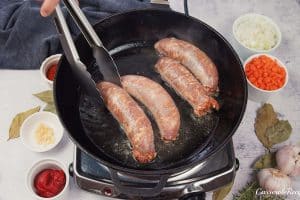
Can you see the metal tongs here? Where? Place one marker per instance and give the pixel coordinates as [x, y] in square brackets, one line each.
[105, 63]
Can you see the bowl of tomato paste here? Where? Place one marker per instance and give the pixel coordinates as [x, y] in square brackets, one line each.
[49, 67]
[48, 179]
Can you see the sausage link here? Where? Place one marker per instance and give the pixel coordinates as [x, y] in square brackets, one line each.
[132, 118]
[193, 58]
[158, 101]
[186, 85]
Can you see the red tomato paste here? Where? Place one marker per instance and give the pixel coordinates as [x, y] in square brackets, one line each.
[49, 182]
[51, 72]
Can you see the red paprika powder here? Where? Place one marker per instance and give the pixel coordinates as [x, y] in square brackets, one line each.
[49, 182]
[51, 72]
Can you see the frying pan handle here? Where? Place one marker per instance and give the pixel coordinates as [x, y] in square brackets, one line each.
[138, 191]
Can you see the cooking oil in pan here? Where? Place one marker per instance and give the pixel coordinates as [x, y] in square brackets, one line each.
[105, 132]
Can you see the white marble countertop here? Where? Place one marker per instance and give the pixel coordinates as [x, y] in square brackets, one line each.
[16, 88]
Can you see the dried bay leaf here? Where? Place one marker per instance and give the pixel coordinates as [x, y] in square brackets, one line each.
[14, 130]
[45, 96]
[50, 108]
[266, 117]
[278, 133]
[221, 193]
[266, 161]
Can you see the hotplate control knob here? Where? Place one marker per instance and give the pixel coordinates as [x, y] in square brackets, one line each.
[107, 191]
[71, 169]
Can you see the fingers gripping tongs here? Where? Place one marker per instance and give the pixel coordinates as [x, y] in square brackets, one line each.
[104, 61]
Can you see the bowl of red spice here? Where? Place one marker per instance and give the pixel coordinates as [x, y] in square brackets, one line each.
[49, 67]
[266, 75]
[48, 179]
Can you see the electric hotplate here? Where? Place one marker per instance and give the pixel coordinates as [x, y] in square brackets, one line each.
[217, 171]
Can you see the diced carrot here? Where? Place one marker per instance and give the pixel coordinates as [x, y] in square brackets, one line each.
[265, 73]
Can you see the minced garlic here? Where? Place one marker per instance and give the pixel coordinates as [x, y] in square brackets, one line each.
[44, 134]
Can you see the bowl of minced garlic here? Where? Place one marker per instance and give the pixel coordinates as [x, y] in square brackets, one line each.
[41, 131]
[44, 135]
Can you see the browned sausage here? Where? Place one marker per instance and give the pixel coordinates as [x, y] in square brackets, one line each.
[186, 85]
[158, 101]
[132, 118]
[193, 58]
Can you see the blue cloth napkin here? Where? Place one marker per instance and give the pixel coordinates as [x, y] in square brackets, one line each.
[26, 38]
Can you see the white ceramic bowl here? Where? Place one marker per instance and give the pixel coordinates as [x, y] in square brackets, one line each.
[27, 131]
[242, 49]
[48, 62]
[41, 165]
[260, 95]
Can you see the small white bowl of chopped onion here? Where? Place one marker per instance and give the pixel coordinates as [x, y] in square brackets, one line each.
[41, 131]
[255, 33]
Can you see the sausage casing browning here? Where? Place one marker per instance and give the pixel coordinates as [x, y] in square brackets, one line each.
[193, 58]
[132, 118]
[186, 85]
[158, 101]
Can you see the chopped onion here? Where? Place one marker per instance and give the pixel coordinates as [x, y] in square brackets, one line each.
[256, 32]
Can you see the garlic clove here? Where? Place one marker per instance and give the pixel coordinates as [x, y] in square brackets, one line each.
[273, 180]
[263, 176]
[278, 184]
[288, 160]
[295, 172]
[284, 159]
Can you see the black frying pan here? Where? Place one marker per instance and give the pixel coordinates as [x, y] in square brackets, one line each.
[130, 38]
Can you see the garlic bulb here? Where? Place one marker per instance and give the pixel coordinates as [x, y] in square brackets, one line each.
[273, 180]
[288, 160]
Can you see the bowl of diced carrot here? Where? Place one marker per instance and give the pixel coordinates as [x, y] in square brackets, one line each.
[266, 75]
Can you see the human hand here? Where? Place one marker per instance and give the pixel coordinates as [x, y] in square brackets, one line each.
[48, 7]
